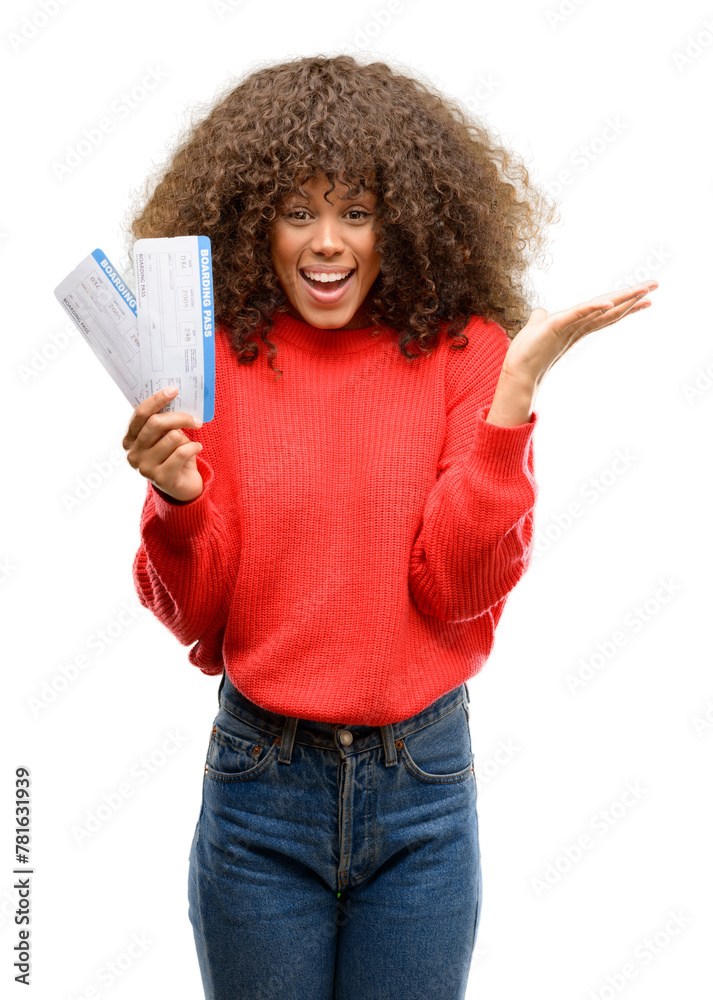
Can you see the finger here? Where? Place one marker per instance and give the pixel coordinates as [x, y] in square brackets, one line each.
[171, 466]
[626, 310]
[148, 459]
[573, 319]
[621, 295]
[608, 316]
[158, 425]
[147, 430]
[143, 411]
[612, 315]
[603, 312]
[537, 315]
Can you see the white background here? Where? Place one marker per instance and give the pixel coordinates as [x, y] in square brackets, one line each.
[549, 761]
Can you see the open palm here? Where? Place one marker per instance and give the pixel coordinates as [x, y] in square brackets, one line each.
[544, 339]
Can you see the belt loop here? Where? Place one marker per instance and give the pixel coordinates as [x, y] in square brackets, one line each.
[387, 736]
[467, 692]
[288, 739]
[220, 686]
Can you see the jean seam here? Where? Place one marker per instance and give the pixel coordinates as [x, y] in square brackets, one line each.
[371, 861]
[211, 984]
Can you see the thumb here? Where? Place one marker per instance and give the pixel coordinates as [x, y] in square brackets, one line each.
[538, 315]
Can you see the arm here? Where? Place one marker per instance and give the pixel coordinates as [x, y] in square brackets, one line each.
[181, 568]
[475, 539]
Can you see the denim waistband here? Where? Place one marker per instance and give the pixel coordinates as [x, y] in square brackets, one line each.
[347, 739]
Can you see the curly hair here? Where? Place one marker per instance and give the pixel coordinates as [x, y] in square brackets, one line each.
[458, 220]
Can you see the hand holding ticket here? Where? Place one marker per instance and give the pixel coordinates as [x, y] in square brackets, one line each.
[169, 463]
[161, 337]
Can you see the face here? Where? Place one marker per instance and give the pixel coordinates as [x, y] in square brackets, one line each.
[310, 235]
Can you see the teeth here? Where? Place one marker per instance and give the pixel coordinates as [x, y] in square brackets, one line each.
[325, 276]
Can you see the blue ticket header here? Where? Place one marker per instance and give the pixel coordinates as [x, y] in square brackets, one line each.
[115, 278]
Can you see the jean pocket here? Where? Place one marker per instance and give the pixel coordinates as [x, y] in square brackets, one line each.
[440, 752]
[236, 751]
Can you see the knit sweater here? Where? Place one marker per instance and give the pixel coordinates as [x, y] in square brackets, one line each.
[360, 527]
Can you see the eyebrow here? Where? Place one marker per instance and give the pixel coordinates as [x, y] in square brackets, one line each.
[296, 195]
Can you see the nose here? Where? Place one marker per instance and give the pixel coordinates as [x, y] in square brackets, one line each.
[326, 238]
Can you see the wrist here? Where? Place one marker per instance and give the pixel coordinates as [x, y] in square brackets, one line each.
[169, 498]
[513, 401]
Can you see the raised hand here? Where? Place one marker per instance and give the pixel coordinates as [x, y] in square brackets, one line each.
[544, 339]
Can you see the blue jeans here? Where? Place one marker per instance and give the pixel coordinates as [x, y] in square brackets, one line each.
[335, 862]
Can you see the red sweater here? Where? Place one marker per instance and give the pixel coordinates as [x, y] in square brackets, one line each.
[360, 525]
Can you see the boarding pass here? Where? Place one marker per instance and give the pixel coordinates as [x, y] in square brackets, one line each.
[163, 335]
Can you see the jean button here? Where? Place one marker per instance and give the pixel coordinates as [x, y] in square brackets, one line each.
[346, 738]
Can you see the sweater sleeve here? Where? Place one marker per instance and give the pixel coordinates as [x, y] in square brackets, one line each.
[475, 539]
[181, 568]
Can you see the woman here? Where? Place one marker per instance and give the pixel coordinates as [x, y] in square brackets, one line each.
[340, 540]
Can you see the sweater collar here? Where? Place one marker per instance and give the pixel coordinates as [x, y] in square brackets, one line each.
[318, 341]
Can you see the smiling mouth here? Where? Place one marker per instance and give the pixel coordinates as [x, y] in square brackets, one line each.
[328, 293]
[327, 286]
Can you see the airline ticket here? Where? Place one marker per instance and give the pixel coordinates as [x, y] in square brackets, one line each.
[162, 336]
[103, 309]
[174, 294]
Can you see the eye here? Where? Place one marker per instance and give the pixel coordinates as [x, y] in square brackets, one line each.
[299, 213]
